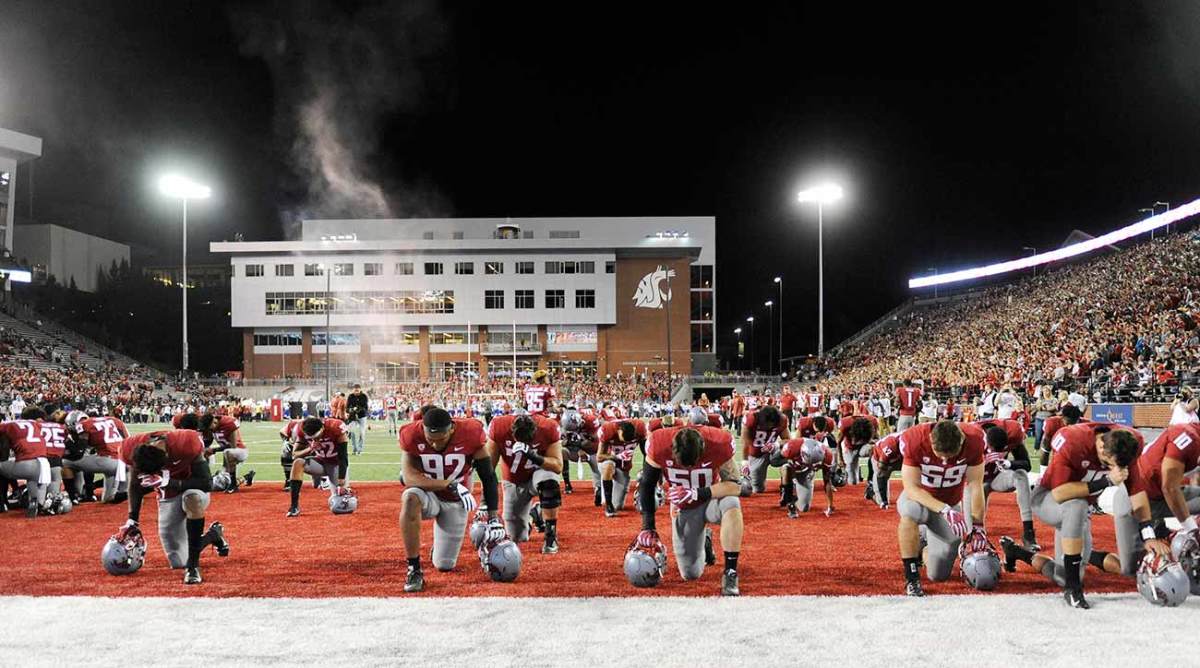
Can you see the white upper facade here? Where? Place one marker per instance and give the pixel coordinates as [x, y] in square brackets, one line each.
[393, 268]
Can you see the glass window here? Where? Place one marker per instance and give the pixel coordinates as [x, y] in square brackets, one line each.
[404, 269]
[343, 269]
[524, 267]
[336, 338]
[451, 338]
[493, 268]
[702, 301]
[397, 371]
[564, 234]
[456, 235]
[314, 270]
[493, 299]
[587, 267]
[365, 301]
[610, 267]
[554, 267]
[373, 269]
[702, 337]
[585, 299]
[464, 268]
[277, 339]
[433, 268]
[285, 269]
[254, 270]
[555, 299]
[524, 298]
[702, 275]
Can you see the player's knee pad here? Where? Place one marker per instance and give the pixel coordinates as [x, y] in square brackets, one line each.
[195, 502]
[549, 494]
[728, 503]
[607, 465]
[691, 571]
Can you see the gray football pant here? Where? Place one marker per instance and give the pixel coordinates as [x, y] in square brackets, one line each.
[318, 469]
[582, 456]
[109, 467]
[173, 514]
[1015, 480]
[853, 457]
[1130, 546]
[942, 548]
[449, 526]
[758, 473]
[1070, 519]
[518, 502]
[803, 484]
[31, 472]
[620, 483]
[687, 533]
[904, 422]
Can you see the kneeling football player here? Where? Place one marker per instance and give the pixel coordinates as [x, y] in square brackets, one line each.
[615, 453]
[886, 460]
[856, 433]
[763, 430]
[803, 457]
[320, 450]
[531, 448]
[172, 464]
[439, 454]
[940, 459]
[698, 465]
[1001, 474]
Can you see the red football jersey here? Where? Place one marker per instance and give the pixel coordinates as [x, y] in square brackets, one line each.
[718, 449]
[791, 452]
[1075, 458]
[763, 440]
[656, 424]
[225, 433]
[845, 423]
[1180, 442]
[610, 440]
[183, 447]
[591, 424]
[945, 479]
[25, 438]
[814, 401]
[55, 436]
[887, 450]
[518, 469]
[389, 403]
[453, 463]
[804, 427]
[787, 401]
[1051, 426]
[289, 430]
[1012, 428]
[538, 398]
[103, 434]
[325, 444]
[909, 400]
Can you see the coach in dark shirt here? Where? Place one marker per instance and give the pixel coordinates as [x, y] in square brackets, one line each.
[356, 418]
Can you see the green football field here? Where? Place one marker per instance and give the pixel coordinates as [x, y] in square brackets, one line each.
[381, 455]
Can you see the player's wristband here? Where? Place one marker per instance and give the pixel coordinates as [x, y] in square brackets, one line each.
[1098, 485]
[535, 458]
[704, 494]
[1147, 530]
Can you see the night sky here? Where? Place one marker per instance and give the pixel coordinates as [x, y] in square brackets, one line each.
[959, 137]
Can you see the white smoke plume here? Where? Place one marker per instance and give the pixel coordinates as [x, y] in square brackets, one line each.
[339, 75]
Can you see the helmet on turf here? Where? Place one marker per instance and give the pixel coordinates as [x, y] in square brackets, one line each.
[221, 481]
[124, 557]
[979, 562]
[1161, 581]
[501, 560]
[572, 420]
[344, 502]
[60, 504]
[697, 416]
[838, 477]
[812, 452]
[644, 567]
[1186, 549]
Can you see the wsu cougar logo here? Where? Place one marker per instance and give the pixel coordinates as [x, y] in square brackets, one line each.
[650, 293]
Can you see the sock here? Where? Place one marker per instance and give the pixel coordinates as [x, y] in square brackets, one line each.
[414, 563]
[731, 561]
[607, 485]
[566, 474]
[296, 493]
[1071, 564]
[195, 537]
[911, 572]
[551, 530]
[1028, 526]
[1096, 558]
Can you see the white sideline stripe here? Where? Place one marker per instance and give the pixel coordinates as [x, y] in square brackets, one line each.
[886, 631]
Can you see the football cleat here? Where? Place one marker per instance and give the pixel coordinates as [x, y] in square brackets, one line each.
[414, 581]
[596, 500]
[232, 488]
[710, 557]
[293, 511]
[1013, 553]
[287, 485]
[536, 516]
[217, 537]
[869, 494]
[913, 588]
[551, 545]
[249, 478]
[191, 576]
[793, 512]
[1029, 542]
[609, 511]
[729, 583]
[1075, 599]
[567, 489]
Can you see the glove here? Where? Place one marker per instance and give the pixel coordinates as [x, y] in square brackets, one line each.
[1189, 524]
[746, 471]
[626, 455]
[464, 496]
[647, 538]
[976, 540]
[155, 480]
[956, 520]
[128, 530]
[520, 448]
[680, 495]
[495, 531]
[997, 458]
[346, 491]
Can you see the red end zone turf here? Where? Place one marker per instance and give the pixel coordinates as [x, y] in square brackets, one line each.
[319, 554]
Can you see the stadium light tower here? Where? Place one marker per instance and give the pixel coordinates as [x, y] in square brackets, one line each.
[752, 332]
[178, 187]
[770, 337]
[779, 282]
[822, 195]
[738, 331]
